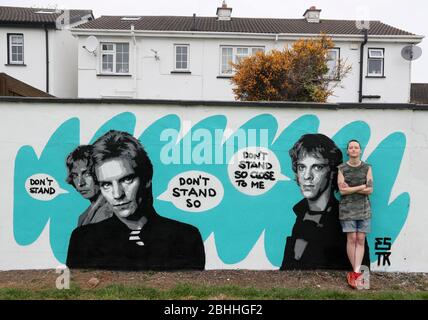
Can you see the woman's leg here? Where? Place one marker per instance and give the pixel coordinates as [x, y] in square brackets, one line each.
[351, 246]
[359, 252]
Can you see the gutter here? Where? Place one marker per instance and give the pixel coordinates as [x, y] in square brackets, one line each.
[360, 92]
[241, 35]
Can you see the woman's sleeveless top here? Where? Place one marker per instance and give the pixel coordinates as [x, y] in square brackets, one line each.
[354, 206]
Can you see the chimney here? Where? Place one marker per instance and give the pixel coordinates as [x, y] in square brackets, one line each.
[312, 15]
[224, 13]
[193, 28]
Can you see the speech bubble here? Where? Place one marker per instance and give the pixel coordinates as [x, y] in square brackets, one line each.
[194, 191]
[255, 170]
[43, 187]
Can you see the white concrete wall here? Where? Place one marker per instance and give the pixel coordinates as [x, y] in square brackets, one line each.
[63, 57]
[155, 81]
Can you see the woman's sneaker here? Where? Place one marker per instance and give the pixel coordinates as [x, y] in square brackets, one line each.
[351, 279]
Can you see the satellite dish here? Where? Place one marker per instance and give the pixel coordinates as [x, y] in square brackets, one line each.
[411, 52]
[91, 44]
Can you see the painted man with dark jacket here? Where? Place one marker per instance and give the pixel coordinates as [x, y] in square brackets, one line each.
[317, 240]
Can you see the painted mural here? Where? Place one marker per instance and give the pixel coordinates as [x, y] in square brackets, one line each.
[174, 194]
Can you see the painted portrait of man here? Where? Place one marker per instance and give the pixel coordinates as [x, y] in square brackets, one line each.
[136, 237]
[80, 175]
[317, 240]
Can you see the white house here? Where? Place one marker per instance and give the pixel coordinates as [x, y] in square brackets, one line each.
[175, 57]
[36, 47]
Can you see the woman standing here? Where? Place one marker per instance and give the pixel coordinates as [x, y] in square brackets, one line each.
[355, 181]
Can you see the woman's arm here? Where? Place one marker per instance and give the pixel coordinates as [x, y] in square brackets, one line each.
[369, 186]
[344, 189]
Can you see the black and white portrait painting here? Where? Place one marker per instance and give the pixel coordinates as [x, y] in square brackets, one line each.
[115, 173]
[317, 240]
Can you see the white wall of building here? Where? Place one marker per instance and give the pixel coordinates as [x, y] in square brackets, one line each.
[155, 80]
[34, 71]
[63, 53]
[395, 87]
[347, 90]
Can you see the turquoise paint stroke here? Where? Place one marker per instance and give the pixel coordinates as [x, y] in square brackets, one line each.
[389, 215]
[30, 215]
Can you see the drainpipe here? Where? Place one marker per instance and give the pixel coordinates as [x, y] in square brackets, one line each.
[360, 92]
[135, 60]
[47, 58]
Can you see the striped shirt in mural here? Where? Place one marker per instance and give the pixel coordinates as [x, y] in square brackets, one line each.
[354, 206]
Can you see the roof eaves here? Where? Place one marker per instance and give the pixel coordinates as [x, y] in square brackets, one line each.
[27, 24]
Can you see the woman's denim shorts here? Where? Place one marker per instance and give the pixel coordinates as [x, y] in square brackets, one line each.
[356, 225]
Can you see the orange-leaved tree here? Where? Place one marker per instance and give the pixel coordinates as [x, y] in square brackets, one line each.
[299, 73]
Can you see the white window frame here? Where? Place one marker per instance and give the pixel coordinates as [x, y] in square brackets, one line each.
[332, 75]
[237, 56]
[376, 57]
[228, 48]
[241, 53]
[12, 45]
[113, 52]
[187, 46]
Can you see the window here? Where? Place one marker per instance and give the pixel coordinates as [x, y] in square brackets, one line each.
[255, 50]
[234, 55]
[15, 48]
[376, 62]
[47, 11]
[181, 57]
[226, 59]
[130, 18]
[122, 57]
[333, 57]
[115, 58]
[241, 53]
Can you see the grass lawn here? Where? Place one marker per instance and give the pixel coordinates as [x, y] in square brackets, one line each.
[194, 292]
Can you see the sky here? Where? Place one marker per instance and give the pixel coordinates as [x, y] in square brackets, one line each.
[408, 15]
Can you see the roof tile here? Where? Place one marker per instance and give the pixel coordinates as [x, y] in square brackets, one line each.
[240, 25]
[12, 15]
